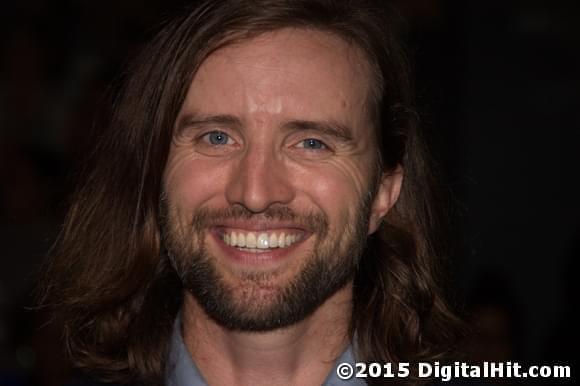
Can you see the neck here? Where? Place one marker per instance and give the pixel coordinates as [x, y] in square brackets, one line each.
[303, 353]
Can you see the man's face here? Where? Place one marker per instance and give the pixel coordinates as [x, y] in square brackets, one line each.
[268, 198]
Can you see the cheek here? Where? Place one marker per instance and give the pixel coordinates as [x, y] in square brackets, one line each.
[336, 188]
[189, 183]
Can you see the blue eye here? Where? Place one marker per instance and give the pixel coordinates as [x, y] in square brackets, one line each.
[313, 144]
[217, 138]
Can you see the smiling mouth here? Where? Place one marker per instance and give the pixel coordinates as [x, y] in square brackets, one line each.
[261, 241]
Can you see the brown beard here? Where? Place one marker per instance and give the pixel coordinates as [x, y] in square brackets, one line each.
[331, 265]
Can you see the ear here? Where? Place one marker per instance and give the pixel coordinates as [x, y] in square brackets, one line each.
[387, 195]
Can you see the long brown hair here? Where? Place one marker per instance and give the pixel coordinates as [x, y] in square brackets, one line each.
[108, 278]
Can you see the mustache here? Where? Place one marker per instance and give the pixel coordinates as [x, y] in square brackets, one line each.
[315, 222]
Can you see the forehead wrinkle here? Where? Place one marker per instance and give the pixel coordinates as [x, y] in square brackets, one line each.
[319, 38]
[243, 62]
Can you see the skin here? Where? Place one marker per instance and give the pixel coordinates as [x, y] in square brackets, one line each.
[263, 85]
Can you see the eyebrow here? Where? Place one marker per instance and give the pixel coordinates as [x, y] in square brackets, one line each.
[192, 120]
[330, 128]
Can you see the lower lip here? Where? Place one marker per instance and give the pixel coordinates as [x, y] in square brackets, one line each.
[264, 257]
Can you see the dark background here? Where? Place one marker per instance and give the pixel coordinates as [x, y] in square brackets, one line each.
[498, 85]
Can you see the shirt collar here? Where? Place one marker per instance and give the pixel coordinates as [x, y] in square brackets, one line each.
[182, 371]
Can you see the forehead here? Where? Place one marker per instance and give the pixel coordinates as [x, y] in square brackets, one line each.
[288, 73]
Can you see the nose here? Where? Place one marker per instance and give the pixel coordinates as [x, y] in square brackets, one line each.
[259, 180]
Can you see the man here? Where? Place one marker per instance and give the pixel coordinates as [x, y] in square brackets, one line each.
[259, 209]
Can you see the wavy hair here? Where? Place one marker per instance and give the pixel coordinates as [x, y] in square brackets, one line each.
[107, 276]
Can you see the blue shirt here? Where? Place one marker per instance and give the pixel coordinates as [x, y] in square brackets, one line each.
[182, 371]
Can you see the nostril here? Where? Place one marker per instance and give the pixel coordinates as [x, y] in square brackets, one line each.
[258, 183]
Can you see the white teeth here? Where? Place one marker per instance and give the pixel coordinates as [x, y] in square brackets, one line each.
[250, 240]
[261, 241]
[273, 241]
